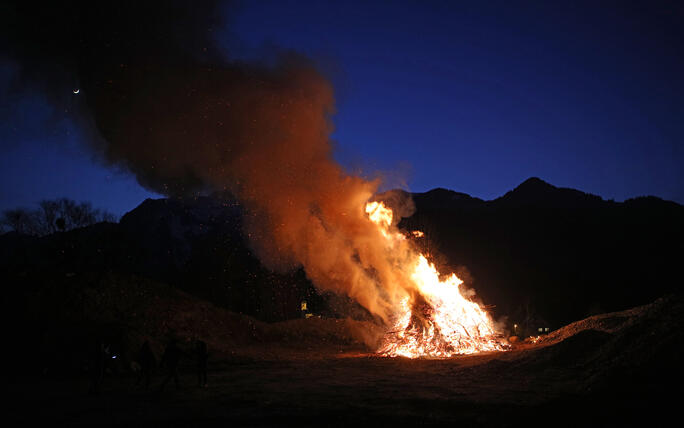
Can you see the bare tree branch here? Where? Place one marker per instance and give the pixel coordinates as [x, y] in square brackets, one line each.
[51, 216]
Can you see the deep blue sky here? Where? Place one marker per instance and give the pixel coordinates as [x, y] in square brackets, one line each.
[474, 98]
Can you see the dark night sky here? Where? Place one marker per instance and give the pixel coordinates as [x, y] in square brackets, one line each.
[474, 97]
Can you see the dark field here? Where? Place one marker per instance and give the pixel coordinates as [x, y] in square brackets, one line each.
[615, 370]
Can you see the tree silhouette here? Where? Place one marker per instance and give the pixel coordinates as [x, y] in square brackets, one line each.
[51, 216]
[20, 220]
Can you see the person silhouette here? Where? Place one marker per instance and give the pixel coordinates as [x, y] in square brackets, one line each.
[170, 361]
[147, 362]
[98, 362]
[201, 355]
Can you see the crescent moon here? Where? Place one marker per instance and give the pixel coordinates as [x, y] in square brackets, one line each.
[76, 91]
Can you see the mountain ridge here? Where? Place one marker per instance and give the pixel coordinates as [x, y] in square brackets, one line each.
[539, 252]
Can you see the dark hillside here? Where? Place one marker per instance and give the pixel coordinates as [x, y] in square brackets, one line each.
[555, 255]
[541, 255]
[194, 245]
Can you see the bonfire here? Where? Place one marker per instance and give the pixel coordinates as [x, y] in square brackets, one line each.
[434, 318]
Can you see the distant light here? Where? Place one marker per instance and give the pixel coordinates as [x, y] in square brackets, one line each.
[76, 91]
[113, 357]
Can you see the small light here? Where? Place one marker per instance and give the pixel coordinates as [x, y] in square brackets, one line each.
[76, 91]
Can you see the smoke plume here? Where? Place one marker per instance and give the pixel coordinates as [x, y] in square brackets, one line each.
[169, 107]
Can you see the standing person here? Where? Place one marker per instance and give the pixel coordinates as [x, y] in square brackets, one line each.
[147, 362]
[201, 355]
[170, 361]
[98, 362]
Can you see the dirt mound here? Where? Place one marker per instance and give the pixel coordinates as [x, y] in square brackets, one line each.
[579, 348]
[634, 354]
[62, 319]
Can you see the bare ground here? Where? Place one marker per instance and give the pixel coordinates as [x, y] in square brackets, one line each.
[615, 369]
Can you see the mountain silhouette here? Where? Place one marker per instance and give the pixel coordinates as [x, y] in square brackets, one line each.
[539, 253]
[535, 191]
[554, 253]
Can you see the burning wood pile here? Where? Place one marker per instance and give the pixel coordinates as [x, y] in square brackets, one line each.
[432, 318]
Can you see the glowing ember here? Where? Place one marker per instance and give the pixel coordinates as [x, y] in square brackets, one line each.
[433, 319]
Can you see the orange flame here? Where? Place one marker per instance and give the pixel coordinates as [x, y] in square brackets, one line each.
[433, 318]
